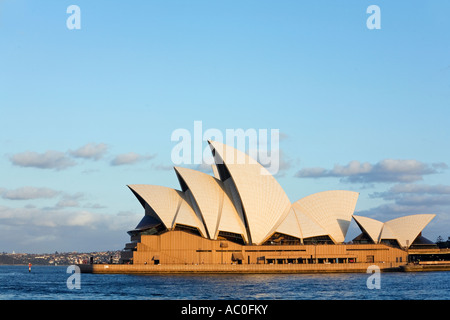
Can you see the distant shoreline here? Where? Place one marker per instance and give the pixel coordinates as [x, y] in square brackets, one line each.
[34, 265]
[59, 258]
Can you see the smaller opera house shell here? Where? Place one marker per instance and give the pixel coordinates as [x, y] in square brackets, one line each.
[242, 215]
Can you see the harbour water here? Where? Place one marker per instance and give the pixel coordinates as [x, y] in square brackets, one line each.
[51, 283]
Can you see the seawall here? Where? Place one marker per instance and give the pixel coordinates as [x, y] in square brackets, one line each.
[235, 268]
[422, 268]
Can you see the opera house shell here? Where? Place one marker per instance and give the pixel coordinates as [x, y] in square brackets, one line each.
[242, 206]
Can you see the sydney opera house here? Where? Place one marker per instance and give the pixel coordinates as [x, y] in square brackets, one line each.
[241, 215]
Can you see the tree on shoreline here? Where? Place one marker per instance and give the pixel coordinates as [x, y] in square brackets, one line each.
[441, 243]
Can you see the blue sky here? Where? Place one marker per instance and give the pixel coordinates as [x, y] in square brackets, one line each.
[358, 109]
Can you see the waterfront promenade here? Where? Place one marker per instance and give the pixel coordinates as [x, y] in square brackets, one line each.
[236, 268]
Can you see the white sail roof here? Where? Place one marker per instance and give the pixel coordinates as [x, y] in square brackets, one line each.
[407, 228]
[387, 233]
[214, 205]
[371, 226]
[404, 229]
[332, 210]
[169, 204]
[290, 225]
[263, 200]
[308, 226]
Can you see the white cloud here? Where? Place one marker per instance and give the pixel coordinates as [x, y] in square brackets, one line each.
[388, 170]
[162, 167]
[32, 229]
[419, 195]
[48, 160]
[27, 193]
[60, 160]
[94, 206]
[90, 151]
[420, 188]
[64, 203]
[129, 158]
[84, 219]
